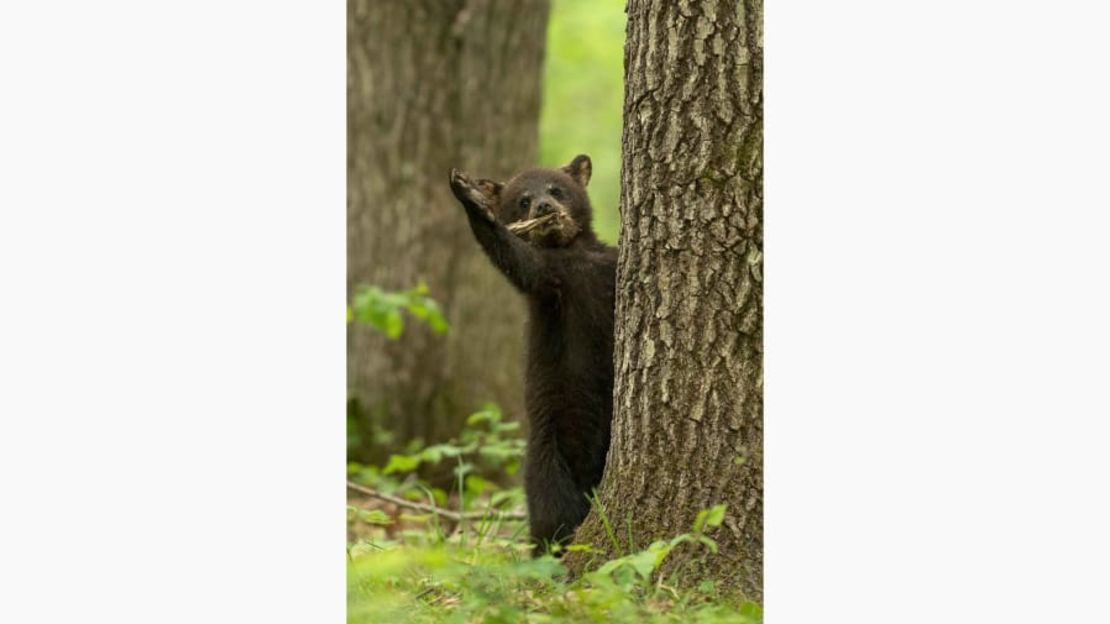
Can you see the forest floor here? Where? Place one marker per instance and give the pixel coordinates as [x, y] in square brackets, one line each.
[407, 565]
[455, 549]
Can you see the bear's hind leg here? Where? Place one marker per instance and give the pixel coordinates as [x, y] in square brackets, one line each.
[555, 504]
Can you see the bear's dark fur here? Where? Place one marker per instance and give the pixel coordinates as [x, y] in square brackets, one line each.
[569, 279]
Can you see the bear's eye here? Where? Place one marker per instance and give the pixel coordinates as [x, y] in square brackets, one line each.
[525, 202]
[556, 192]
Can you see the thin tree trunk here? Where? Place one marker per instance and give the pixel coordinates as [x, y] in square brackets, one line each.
[434, 85]
[688, 430]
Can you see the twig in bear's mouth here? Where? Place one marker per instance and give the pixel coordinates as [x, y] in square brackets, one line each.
[523, 227]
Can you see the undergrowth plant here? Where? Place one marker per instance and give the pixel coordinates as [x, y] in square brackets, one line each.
[486, 444]
[418, 553]
[494, 582]
[383, 310]
[474, 566]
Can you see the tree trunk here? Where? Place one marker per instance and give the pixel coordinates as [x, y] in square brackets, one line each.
[688, 428]
[434, 85]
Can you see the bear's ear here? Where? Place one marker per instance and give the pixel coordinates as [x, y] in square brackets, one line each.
[580, 169]
[491, 189]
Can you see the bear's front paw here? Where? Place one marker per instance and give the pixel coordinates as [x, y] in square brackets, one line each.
[475, 197]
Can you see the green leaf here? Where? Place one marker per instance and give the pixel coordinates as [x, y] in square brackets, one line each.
[383, 310]
[401, 463]
[499, 454]
[711, 517]
[437, 321]
[699, 520]
[752, 610]
[436, 452]
[440, 496]
[644, 562]
[490, 412]
[716, 515]
[393, 324]
[680, 539]
[374, 516]
[418, 309]
[476, 485]
[608, 567]
[505, 495]
[432, 454]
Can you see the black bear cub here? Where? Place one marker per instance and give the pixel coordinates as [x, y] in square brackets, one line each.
[536, 229]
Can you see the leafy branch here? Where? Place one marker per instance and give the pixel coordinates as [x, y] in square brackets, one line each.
[383, 310]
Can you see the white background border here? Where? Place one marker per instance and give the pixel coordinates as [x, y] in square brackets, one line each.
[172, 340]
[172, 249]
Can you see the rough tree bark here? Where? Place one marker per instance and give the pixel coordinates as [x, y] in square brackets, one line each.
[688, 428]
[434, 85]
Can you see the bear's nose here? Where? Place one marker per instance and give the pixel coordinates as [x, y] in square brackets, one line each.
[543, 209]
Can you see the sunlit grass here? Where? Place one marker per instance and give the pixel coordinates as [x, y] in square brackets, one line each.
[497, 581]
[419, 553]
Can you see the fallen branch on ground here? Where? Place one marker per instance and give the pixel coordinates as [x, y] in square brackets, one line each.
[444, 513]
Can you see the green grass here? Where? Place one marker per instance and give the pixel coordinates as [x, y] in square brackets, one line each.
[473, 564]
[496, 581]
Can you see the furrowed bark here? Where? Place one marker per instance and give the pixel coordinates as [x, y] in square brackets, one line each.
[688, 429]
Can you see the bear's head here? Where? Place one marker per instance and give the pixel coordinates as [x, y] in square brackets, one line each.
[548, 207]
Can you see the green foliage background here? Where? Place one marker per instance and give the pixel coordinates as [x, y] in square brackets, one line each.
[583, 97]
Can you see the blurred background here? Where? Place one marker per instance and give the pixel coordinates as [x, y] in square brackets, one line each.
[583, 92]
[435, 422]
[434, 332]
